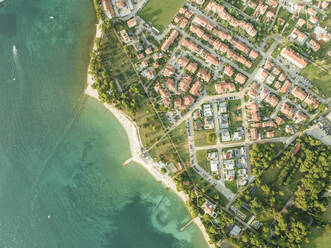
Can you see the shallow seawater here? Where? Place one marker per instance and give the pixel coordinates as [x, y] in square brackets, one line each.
[61, 179]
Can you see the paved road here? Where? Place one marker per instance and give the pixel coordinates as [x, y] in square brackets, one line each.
[245, 143]
[216, 23]
[216, 183]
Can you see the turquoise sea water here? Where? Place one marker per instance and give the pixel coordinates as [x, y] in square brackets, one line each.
[61, 152]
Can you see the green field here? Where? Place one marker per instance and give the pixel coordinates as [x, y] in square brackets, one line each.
[200, 138]
[327, 214]
[160, 13]
[321, 78]
[232, 186]
[319, 238]
[179, 137]
[202, 160]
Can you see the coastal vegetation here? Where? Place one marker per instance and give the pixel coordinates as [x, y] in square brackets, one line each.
[150, 127]
[106, 73]
[160, 13]
[118, 84]
[114, 58]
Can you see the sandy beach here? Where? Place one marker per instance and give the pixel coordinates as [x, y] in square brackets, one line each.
[136, 146]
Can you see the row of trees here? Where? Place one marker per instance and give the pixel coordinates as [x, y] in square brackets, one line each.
[101, 70]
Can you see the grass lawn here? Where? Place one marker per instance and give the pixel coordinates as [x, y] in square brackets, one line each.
[179, 137]
[202, 160]
[211, 91]
[269, 43]
[321, 78]
[235, 113]
[200, 138]
[327, 214]
[284, 14]
[234, 105]
[119, 62]
[319, 238]
[160, 13]
[270, 174]
[232, 185]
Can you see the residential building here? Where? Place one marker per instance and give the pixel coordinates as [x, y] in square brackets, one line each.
[223, 121]
[196, 88]
[314, 45]
[125, 37]
[225, 135]
[279, 121]
[209, 208]
[204, 75]
[287, 110]
[166, 44]
[264, 93]
[223, 87]
[214, 166]
[299, 93]
[132, 22]
[241, 46]
[235, 231]
[270, 134]
[228, 70]
[168, 71]
[286, 86]
[188, 100]
[298, 36]
[311, 100]
[211, 59]
[199, 20]
[272, 100]
[222, 107]
[171, 85]
[229, 164]
[192, 67]
[300, 117]
[253, 54]
[254, 134]
[108, 9]
[183, 61]
[209, 123]
[207, 110]
[294, 57]
[240, 78]
[184, 84]
[220, 10]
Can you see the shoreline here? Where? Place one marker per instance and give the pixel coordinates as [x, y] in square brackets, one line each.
[132, 131]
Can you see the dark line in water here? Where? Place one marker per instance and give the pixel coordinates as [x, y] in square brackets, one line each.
[159, 203]
[80, 105]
